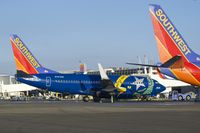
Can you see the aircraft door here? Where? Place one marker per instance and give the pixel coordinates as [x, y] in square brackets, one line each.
[48, 81]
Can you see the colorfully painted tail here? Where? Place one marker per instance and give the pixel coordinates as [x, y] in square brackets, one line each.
[170, 43]
[24, 59]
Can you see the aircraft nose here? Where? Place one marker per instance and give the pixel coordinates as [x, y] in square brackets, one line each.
[159, 87]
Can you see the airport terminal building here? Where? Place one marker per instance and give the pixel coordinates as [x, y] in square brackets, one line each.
[10, 87]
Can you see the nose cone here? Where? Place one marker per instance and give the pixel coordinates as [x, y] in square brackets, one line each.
[158, 87]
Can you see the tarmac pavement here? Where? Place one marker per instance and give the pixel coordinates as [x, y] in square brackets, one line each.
[79, 117]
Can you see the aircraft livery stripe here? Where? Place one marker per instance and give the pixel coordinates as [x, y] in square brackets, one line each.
[190, 67]
[23, 60]
[25, 51]
[163, 19]
[29, 68]
[168, 41]
[188, 76]
[163, 52]
[19, 65]
[121, 80]
[174, 74]
[185, 76]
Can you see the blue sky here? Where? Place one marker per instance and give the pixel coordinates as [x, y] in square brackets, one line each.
[60, 33]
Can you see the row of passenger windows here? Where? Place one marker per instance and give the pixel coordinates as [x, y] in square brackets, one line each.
[85, 82]
[77, 81]
[122, 72]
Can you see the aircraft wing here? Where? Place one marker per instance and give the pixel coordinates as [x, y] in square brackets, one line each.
[107, 84]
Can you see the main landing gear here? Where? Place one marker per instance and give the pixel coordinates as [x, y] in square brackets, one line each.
[98, 99]
[111, 98]
[86, 99]
[95, 99]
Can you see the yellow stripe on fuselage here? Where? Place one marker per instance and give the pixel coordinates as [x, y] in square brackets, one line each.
[120, 81]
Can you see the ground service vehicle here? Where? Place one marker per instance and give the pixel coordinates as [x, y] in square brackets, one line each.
[176, 96]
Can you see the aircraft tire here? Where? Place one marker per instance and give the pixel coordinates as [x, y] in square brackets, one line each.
[188, 98]
[180, 98]
[96, 99]
[86, 99]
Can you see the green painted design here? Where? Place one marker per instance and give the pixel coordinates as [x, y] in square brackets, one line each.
[150, 88]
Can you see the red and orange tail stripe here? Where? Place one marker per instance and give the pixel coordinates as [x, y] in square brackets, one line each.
[22, 63]
[168, 48]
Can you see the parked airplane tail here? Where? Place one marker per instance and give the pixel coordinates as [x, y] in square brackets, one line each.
[170, 43]
[24, 59]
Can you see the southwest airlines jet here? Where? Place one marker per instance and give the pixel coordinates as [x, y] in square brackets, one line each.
[178, 60]
[31, 72]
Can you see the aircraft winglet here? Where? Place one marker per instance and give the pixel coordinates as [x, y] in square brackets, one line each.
[102, 72]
